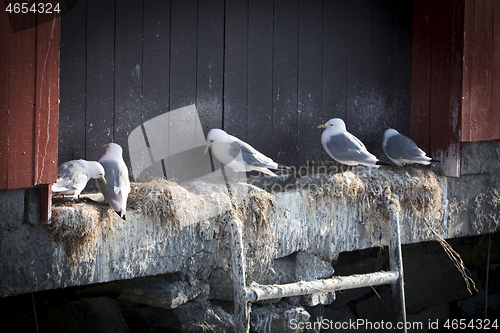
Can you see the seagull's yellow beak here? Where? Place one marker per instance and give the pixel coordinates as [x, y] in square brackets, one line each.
[322, 126]
[103, 180]
[105, 146]
[207, 148]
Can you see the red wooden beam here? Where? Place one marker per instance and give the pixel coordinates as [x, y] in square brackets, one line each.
[421, 74]
[21, 105]
[437, 73]
[45, 203]
[446, 84]
[4, 95]
[47, 100]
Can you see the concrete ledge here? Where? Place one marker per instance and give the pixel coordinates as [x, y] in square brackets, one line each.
[320, 214]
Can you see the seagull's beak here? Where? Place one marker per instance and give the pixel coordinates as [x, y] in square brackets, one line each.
[322, 126]
[103, 180]
[207, 148]
[105, 146]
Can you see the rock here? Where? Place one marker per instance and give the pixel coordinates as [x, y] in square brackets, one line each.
[323, 298]
[309, 267]
[100, 314]
[144, 318]
[203, 316]
[163, 291]
[437, 313]
[431, 279]
[281, 317]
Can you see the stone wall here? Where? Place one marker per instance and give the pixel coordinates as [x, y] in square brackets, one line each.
[170, 259]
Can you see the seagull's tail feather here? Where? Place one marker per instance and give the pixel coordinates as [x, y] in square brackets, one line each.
[435, 161]
[384, 163]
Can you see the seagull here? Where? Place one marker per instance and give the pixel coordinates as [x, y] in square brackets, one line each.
[344, 147]
[72, 176]
[239, 155]
[402, 150]
[117, 188]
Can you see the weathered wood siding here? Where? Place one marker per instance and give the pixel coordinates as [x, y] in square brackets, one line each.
[455, 76]
[481, 81]
[29, 93]
[266, 71]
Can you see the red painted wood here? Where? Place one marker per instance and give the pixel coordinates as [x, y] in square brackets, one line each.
[45, 203]
[4, 96]
[21, 103]
[467, 68]
[480, 117]
[481, 102]
[495, 79]
[446, 84]
[421, 73]
[47, 100]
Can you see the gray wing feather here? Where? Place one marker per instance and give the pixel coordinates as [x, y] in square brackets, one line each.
[402, 147]
[250, 156]
[71, 176]
[346, 147]
[117, 182]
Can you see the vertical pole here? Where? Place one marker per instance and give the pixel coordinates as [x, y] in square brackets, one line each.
[45, 203]
[241, 309]
[398, 294]
[241, 313]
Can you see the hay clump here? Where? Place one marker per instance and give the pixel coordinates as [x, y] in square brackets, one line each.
[261, 245]
[78, 225]
[154, 199]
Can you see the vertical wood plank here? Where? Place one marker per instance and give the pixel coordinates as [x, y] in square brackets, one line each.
[236, 69]
[383, 74]
[45, 203]
[285, 120]
[334, 64]
[156, 58]
[4, 97]
[421, 74]
[402, 66]
[47, 99]
[495, 80]
[481, 71]
[184, 41]
[22, 103]
[446, 88]
[128, 72]
[210, 66]
[183, 53]
[260, 75]
[359, 71]
[100, 77]
[310, 82]
[467, 69]
[72, 84]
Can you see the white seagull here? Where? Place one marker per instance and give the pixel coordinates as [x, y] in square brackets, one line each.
[402, 150]
[344, 147]
[239, 155]
[72, 176]
[118, 184]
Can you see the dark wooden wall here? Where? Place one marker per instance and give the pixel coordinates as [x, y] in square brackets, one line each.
[266, 71]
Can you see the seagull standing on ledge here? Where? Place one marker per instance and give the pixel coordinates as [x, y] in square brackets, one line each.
[344, 147]
[72, 176]
[402, 150]
[118, 184]
[239, 155]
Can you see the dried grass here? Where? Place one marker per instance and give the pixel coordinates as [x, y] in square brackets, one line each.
[78, 225]
[154, 199]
